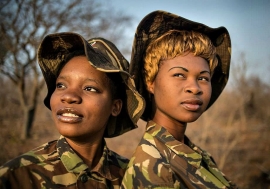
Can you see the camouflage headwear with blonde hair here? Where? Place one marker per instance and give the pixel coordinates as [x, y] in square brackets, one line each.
[176, 43]
[156, 24]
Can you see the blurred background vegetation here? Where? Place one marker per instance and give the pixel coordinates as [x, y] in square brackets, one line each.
[235, 130]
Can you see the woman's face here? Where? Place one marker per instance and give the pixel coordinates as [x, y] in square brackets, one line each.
[82, 101]
[181, 89]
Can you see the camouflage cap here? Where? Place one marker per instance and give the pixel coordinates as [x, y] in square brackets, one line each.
[56, 47]
[159, 22]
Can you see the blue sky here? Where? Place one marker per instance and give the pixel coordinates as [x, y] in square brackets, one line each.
[246, 20]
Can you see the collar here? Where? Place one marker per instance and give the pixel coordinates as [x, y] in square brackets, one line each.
[70, 159]
[73, 163]
[192, 153]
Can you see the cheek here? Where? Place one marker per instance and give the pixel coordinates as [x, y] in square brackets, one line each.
[52, 101]
[166, 85]
[102, 105]
[161, 91]
[53, 105]
[208, 94]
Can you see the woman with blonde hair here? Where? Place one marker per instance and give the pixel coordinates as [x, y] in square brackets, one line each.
[180, 67]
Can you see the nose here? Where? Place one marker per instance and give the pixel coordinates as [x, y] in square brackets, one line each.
[193, 87]
[71, 96]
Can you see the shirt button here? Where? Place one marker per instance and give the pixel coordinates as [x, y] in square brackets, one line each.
[84, 178]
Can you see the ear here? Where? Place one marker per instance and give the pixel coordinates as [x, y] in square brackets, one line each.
[151, 87]
[117, 107]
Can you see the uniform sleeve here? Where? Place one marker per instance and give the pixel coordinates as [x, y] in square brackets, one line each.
[11, 177]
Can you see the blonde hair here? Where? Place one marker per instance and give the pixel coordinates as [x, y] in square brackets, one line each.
[174, 43]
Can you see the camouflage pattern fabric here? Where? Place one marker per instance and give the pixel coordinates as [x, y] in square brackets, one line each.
[160, 161]
[56, 165]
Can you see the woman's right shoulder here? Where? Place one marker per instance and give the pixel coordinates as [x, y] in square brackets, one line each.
[35, 156]
[150, 148]
[149, 165]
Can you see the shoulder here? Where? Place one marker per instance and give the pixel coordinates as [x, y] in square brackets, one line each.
[149, 165]
[36, 156]
[151, 148]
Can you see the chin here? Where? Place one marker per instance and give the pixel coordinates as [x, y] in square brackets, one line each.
[192, 118]
[69, 135]
[68, 132]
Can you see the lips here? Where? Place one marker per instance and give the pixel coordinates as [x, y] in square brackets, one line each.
[69, 115]
[192, 104]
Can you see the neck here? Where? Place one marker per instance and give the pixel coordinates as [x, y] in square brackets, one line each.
[89, 152]
[174, 127]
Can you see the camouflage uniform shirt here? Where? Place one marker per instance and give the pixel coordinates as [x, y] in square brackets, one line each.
[160, 161]
[56, 165]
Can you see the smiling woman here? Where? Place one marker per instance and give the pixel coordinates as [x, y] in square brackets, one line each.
[78, 90]
[81, 78]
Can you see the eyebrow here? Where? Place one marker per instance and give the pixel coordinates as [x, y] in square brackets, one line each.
[186, 70]
[92, 80]
[87, 79]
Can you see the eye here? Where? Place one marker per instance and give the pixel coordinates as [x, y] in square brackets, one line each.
[178, 75]
[60, 86]
[91, 89]
[204, 78]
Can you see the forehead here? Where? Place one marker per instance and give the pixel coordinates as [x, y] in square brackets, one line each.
[188, 61]
[79, 67]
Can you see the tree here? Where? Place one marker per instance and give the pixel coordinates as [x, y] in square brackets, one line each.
[24, 23]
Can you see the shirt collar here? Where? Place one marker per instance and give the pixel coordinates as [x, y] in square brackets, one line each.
[103, 167]
[70, 159]
[192, 153]
[74, 163]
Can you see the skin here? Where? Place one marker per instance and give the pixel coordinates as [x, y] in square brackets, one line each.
[182, 90]
[81, 106]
